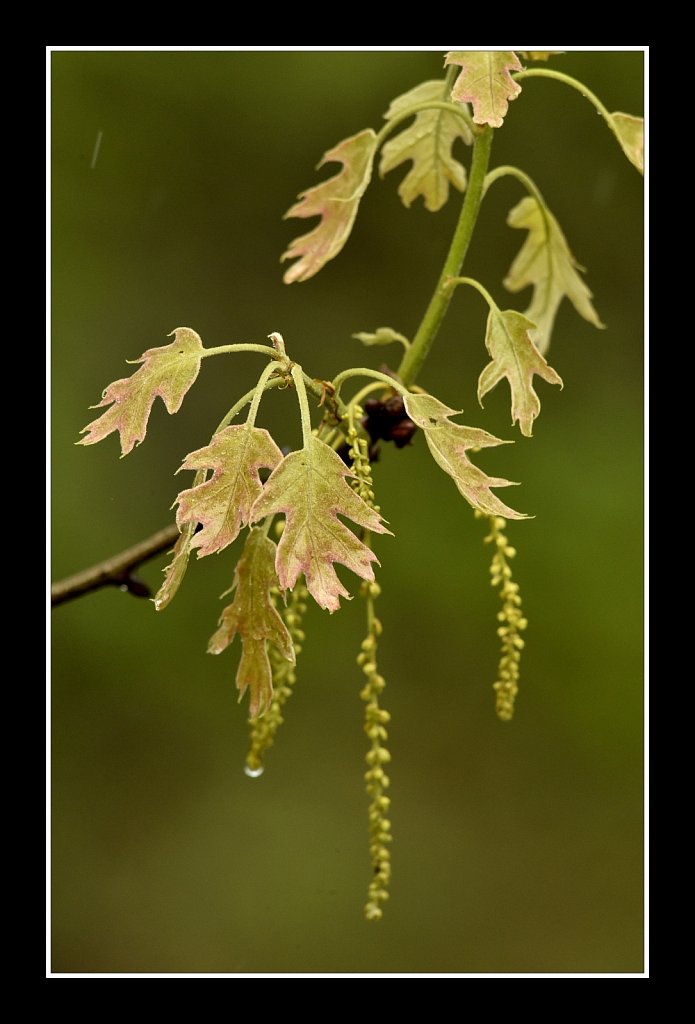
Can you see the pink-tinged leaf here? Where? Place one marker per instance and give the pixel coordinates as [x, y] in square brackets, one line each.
[336, 202]
[538, 54]
[629, 132]
[310, 489]
[485, 82]
[254, 617]
[223, 503]
[168, 372]
[427, 142]
[545, 262]
[515, 357]
[450, 443]
[176, 570]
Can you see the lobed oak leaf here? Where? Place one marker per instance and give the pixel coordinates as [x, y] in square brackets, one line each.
[629, 131]
[515, 357]
[545, 261]
[254, 617]
[485, 82]
[427, 142]
[449, 444]
[310, 489]
[335, 201]
[223, 503]
[168, 371]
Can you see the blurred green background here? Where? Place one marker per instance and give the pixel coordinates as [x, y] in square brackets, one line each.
[518, 847]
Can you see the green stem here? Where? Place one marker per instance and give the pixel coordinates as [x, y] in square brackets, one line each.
[560, 77]
[298, 378]
[365, 371]
[478, 287]
[507, 171]
[245, 399]
[395, 336]
[449, 79]
[221, 350]
[413, 360]
[534, 192]
[450, 108]
[270, 369]
[362, 394]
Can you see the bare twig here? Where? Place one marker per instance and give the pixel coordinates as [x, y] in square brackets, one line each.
[117, 570]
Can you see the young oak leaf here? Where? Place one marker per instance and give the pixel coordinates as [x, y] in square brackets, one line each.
[629, 131]
[223, 503]
[336, 202]
[427, 142]
[254, 617]
[485, 82]
[449, 444]
[310, 489]
[545, 261]
[382, 336]
[168, 371]
[176, 570]
[515, 357]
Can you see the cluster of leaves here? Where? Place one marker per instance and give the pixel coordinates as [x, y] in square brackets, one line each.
[441, 116]
[328, 480]
[310, 488]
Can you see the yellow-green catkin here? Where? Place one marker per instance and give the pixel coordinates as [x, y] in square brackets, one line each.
[375, 717]
[263, 729]
[359, 454]
[376, 779]
[511, 617]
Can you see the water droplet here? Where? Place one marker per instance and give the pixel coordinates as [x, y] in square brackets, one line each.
[253, 773]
